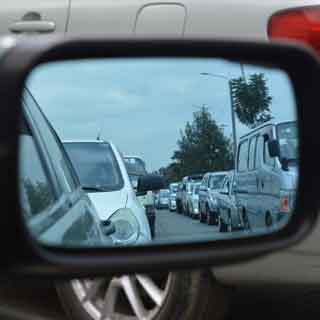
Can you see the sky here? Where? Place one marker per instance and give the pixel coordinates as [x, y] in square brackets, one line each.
[142, 104]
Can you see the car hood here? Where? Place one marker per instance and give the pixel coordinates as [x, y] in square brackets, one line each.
[106, 203]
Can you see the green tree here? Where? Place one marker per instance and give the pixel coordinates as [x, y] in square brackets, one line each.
[202, 147]
[251, 100]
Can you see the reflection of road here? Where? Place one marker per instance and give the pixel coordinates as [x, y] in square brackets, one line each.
[173, 227]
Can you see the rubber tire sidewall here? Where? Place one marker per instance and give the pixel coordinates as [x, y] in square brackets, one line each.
[192, 295]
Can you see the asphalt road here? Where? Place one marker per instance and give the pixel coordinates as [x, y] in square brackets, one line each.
[174, 227]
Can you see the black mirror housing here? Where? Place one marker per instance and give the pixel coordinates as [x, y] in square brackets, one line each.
[150, 182]
[274, 148]
[26, 256]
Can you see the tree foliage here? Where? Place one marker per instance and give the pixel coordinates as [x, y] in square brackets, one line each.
[202, 147]
[251, 100]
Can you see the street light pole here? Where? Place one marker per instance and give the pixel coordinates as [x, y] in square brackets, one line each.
[234, 135]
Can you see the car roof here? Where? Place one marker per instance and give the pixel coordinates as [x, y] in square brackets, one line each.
[255, 130]
[130, 156]
[84, 141]
[217, 173]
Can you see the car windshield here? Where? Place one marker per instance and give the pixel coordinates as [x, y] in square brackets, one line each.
[216, 181]
[287, 134]
[135, 166]
[164, 193]
[95, 165]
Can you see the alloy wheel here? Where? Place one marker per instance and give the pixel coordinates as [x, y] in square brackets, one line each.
[126, 297]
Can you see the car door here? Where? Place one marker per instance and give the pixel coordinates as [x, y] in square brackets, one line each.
[73, 220]
[202, 193]
[270, 184]
[252, 183]
[223, 199]
[241, 178]
[260, 176]
[46, 16]
[127, 17]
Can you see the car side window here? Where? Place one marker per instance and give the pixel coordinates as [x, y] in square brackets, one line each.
[226, 185]
[243, 156]
[58, 158]
[259, 151]
[266, 156]
[36, 190]
[252, 147]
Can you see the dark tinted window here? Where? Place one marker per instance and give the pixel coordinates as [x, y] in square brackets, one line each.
[96, 165]
[266, 156]
[243, 156]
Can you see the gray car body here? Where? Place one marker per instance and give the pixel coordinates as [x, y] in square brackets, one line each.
[226, 203]
[261, 179]
[71, 220]
[207, 194]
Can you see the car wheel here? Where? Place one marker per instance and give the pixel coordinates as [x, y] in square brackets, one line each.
[210, 218]
[223, 227]
[202, 218]
[245, 219]
[268, 220]
[177, 296]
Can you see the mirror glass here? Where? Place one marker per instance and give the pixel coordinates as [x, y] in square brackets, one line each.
[139, 151]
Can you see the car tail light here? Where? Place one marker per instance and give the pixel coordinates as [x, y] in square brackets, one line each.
[284, 202]
[302, 24]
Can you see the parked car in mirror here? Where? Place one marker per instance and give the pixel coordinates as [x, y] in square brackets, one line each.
[103, 175]
[266, 174]
[164, 196]
[173, 188]
[208, 206]
[193, 201]
[55, 207]
[229, 217]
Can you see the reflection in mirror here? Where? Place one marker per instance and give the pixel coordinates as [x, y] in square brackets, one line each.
[151, 151]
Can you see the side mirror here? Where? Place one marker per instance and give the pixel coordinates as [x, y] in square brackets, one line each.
[32, 67]
[274, 148]
[149, 182]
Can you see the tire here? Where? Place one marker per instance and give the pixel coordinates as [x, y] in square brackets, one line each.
[188, 211]
[223, 227]
[229, 224]
[268, 220]
[211, 220]
[202, 218]
[189, 295]
[246, 223]
[152, 231]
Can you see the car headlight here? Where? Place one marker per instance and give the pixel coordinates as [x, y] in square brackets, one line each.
[126, 227]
